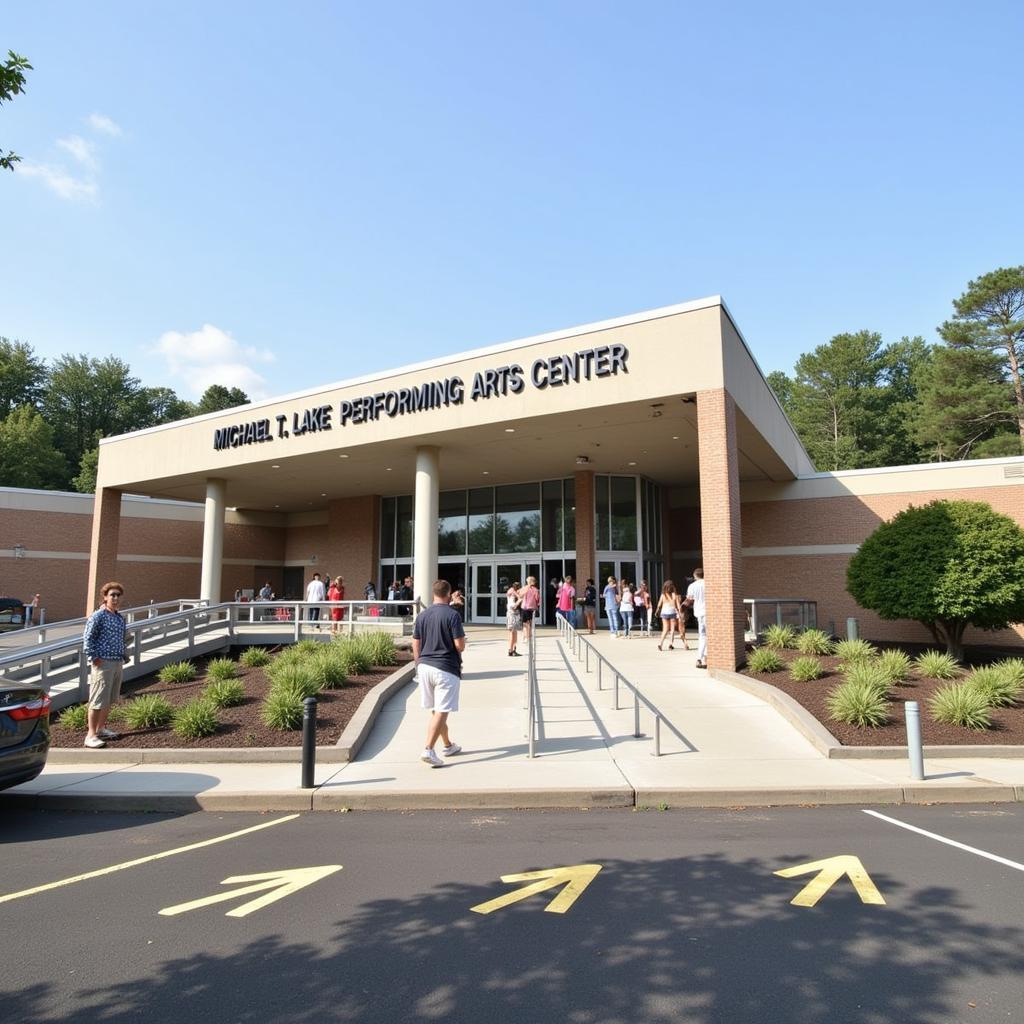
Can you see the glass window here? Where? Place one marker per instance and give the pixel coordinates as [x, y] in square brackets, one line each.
[387, 528]
[551, 513]
[404, 542]
[517, 522]
[569, 514]
[623, 494]
[481, 521]
[451, 523]
[603, 538]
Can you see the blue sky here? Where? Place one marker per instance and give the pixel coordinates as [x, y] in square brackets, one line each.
[278, 196]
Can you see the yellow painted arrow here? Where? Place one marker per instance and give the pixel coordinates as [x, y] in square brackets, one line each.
[282, 883]
[575, 878]
[830, 871]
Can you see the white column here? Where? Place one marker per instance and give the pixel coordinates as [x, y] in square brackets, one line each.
[213, 540]
[424, 544]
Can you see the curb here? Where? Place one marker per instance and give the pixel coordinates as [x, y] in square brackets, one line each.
[826, 744]
[479, 799]
[354, 734]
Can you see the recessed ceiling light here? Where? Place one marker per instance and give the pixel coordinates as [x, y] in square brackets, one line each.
[343, 456]
[388, 468]
[323, 494]
[275, 466]
[487, 472]
[675, 437]
[630, 463]
[277, 506]
[510, 430]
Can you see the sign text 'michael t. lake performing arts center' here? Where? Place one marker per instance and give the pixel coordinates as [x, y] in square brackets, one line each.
[549, 372]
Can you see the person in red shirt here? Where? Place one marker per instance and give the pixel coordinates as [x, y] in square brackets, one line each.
[567, 601]
[336, 593]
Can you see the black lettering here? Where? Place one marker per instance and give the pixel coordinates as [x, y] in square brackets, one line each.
[556, 372]
[538, 373]
[391, 403]
[456, 390]
[515, 379]
[602, 361]
[588, 363]
[344, 413]
[404, 401]
[619, 356]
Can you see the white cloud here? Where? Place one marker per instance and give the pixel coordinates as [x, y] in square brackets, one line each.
[81, 149]
[57, 180]
[103, 124]
[212, 356]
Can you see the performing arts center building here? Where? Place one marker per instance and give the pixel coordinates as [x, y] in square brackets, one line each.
[638, 448]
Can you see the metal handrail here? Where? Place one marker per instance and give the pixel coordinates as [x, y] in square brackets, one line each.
[63, 662]
[577, 643]
[533, 694]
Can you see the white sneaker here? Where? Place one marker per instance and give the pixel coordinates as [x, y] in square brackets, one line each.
[94, 742]
[451, 750]
[108, 734]
[427, 757]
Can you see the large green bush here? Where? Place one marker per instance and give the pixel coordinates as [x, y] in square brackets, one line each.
[150, 711]
[948, 565]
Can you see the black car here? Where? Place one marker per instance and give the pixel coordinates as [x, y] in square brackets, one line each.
[12, 614]
[24, 731]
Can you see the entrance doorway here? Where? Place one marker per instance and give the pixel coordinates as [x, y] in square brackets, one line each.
[489, 581]
[620, 568]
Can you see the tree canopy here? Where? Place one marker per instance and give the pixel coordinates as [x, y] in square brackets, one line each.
[948, 565]
[12, 83]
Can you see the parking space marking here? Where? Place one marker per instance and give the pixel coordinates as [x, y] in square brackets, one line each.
[144, 860]
[281, 883]
[830, 870]
[575, 878]
[949, 842]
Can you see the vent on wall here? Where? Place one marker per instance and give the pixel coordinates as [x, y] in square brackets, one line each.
[1013, 470]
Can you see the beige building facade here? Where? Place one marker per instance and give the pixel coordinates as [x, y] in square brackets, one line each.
[639, 447]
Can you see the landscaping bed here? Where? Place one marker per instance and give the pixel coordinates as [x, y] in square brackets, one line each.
[241, 725]
[1007, 726]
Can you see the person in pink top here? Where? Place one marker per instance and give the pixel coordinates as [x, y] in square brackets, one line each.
[567, 602]
[531, 605]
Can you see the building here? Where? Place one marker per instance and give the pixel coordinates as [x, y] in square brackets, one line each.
[639, 447]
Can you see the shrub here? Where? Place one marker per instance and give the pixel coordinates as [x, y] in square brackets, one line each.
[998, 687]
[957, 704]
[1014, 669]
[355, 659]
[852, 651]
[814, 641]
[947, 564]
[195, 719]
[117, 712]
[764, 659]
[869, 674]
[296, 679]
[221, 668]
[224, 693]
[304, 648]
[254, 657]
[803, 670]
[937, 665]
[150, 711]
[327, 669]
[896, 666]
[778, 638]
[178, 672]
[282, 709]
[74, 717]
[380, 647]
[858, 703]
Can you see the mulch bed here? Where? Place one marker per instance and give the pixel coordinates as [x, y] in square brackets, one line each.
[241, 726]
[1007, 723]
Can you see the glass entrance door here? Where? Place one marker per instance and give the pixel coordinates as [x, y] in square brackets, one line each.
[489, 582]
[621, 569]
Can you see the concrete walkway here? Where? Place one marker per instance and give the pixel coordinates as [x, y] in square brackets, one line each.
[720, 746]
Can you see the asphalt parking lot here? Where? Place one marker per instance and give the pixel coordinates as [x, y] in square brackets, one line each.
[800, 914]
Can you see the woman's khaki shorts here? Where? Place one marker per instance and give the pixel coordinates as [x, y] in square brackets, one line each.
[105, 684]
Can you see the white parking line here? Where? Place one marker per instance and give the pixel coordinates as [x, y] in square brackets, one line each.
[948, 842]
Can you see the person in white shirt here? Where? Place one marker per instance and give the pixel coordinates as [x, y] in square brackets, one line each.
[695, 593]
[315, 592]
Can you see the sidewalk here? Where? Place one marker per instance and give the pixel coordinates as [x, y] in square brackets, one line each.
[721, 747]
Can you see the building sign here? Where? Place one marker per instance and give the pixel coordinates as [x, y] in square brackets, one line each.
[500, 382]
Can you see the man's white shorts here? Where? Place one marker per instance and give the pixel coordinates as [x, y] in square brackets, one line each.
[439, 690]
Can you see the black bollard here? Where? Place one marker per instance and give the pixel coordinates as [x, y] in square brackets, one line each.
[308, 741]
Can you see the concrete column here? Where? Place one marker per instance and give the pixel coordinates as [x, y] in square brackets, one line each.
[424, 537]
[213, 540]
[720, 527]
[586, 551]
[106, 528]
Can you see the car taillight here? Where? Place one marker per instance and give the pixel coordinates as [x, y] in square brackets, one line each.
[36, 709]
